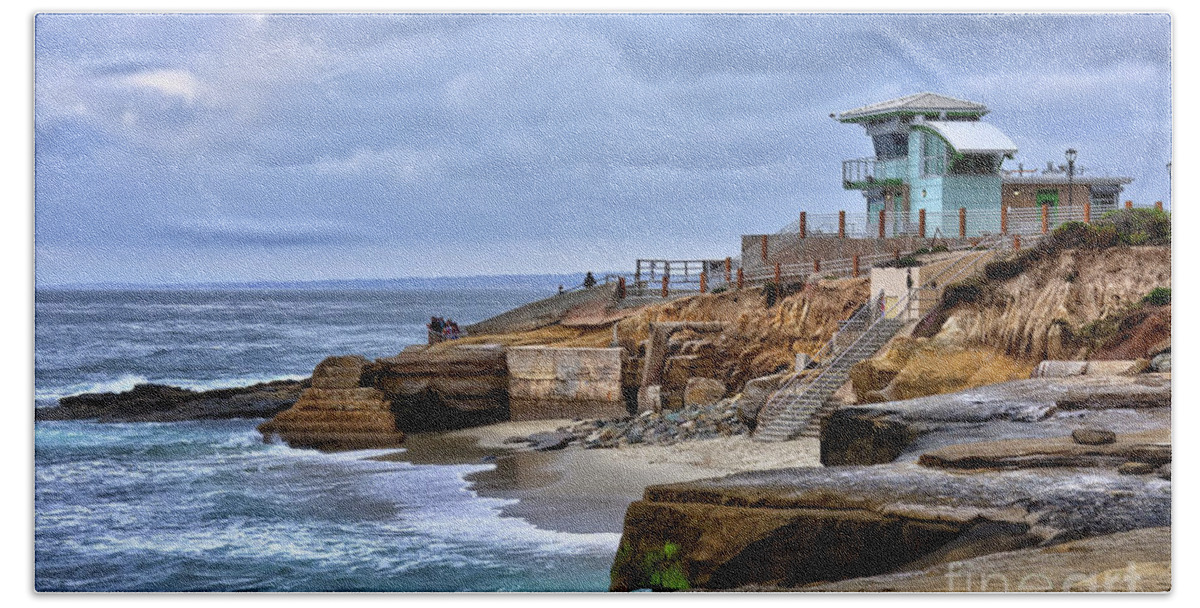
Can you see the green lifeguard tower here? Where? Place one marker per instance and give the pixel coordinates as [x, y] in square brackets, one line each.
[932, 152]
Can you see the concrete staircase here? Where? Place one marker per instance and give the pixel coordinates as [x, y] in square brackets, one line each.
[796, 409]
[799, 407]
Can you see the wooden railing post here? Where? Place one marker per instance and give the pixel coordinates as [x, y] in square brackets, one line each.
[1003, 219]
[1158, 205]
[921, 223]
[803, 224]
[1017, 242]
[1045, 218]
[666, 280]
[620, 288]
[1087, 212]
[816, 266]
[703, 282]
[962, 222]
[882, 225]
[728, 270]
[855, 265]
[841, 224]
[896, 254]
[741, 278]
[1129, 204]
[778, 274]
[764, 248]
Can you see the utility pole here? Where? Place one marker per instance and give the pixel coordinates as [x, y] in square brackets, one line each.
[1070, 176]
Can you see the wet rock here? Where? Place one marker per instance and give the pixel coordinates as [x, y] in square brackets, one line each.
[1136, 468]
[1093, 436]
[703, 391]
[159, 403]
[544, 442]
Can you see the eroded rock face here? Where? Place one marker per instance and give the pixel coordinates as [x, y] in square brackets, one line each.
[337, 413]
[791, 527]
[443, 389]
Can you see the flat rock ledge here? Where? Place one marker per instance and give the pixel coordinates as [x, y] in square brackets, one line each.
[793, 527]
[1039, 407]
[161, 403]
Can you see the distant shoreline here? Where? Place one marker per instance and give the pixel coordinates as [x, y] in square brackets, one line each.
[507, 281]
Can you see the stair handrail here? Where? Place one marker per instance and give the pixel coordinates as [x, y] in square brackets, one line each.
[780, 395]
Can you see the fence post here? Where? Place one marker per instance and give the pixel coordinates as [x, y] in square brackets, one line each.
[1045, 218]
[703, 282]
[855, 265]
[1017, 242]
[778, 274]
[1129, 204]
[803, 224]
[741, 278]
[921, 223]
[882, 226]
[896, 254]
[764, 248]
[1003, 219]
[962, 222]
[1087, 212]
[816, 266]
[841, 224]
[728, 270]
[620, 288]
[666, 279]
[1158, 205]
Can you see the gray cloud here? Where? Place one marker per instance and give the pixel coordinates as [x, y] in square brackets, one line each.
[444, 136]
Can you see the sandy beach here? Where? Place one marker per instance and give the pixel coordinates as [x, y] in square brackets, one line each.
[581, 490]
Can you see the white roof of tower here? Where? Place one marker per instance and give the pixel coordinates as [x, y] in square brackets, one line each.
[916, 104]
[973, 137]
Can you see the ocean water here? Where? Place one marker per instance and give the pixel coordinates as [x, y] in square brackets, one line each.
[208, 506]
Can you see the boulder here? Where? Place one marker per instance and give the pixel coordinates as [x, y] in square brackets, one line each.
[544, 442]
[702, 391]
[1093, 436]
[1161, 362]
[755, 395]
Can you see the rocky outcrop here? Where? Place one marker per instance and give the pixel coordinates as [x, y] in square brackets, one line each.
[437, 389]
[1033, 408]
[793, 527]
[1152, 447]
[703, 391]
[1137, 561]
[1059, 306]
[158, 403]
[755, 339]
[916, 367]
[337, 412]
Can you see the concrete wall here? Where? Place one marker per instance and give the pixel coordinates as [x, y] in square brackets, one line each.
[547, 382]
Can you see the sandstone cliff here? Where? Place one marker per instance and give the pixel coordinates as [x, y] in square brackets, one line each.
[337, 412]
[1050, 310]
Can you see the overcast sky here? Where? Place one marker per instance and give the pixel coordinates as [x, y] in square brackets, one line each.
[290, 147]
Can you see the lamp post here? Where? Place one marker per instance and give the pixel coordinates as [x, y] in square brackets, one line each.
[1070, 175]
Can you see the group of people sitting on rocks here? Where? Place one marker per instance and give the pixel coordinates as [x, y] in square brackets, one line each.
[447, 328]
